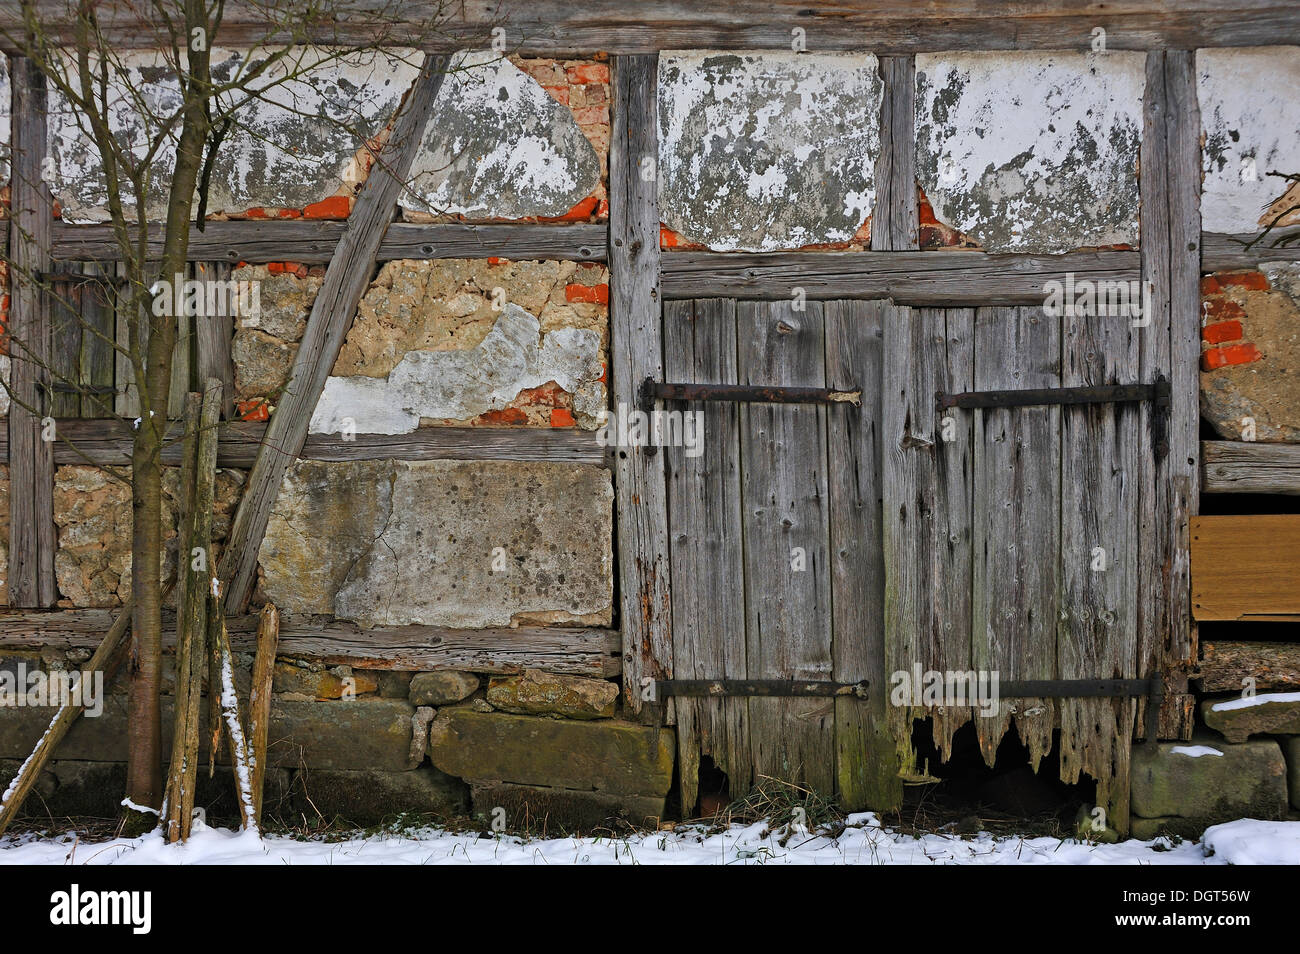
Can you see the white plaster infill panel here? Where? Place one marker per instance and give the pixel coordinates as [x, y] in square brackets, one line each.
[766, 151]
[498, 146]
[1250, 115]
[1032, 152]
[6, 103]
[292, 144]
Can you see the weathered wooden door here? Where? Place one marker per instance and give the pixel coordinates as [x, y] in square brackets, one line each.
[774, 535]
[839, 543]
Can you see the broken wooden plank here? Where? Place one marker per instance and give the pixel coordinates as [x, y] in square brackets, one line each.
[346, 279]
[1237, 467]
[636, 353]
[313, 242]
[582, 651]
[1226, 665]
[947, 279]
[31, 459]
[1245, 567]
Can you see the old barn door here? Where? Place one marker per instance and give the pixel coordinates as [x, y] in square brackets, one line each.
[1011, 533]
[774, 533]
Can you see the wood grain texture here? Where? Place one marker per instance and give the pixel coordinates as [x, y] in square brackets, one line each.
[1246, 567]
[636, 353]
[574, 650]
[1097, 625]
[1235, 467]
[1220, 253]
[1016, 522]
[708, 594]
[787, 541]
[1225, 664]
[213, 335]
[346, 279]
[314, 242]
[551, 27]
[867, 759]
[894, 220]
[31, 477]
[108, 442]
[940, 279]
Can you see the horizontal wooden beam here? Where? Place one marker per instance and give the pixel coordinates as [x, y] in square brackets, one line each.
[1240, 467]
[1223, 253]
[1244, 567]
[313, 242]
[580, 651]
[948, 279]
[550, 27]
[108, 442]
[1225, 665]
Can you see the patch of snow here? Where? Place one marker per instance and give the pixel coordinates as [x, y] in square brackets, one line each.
[865, 841]
[1263, 698]
[1195, 751]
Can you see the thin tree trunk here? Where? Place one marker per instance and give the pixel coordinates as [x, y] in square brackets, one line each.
[259, 699]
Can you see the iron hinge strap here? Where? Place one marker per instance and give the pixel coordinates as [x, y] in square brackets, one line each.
[652, 391]
[1158, 391]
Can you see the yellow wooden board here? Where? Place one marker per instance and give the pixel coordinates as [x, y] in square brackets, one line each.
[1246, 567]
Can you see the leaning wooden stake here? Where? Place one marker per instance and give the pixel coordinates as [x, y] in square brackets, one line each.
[106, 658]
[198, 482]
[235, 732]
[259, 698]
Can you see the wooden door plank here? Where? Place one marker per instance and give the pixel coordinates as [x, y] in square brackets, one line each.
[1100, 473]
[31, 459]
[787, 566]
[894, 220]
[636, 354]
[1246, 567]
[1237, 467]
[214, 335]
[708, 595]
[96, 344]
[867, 755]
[346, 278]
[1017, 513]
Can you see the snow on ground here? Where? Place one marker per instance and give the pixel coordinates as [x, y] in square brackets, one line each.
[864, 842]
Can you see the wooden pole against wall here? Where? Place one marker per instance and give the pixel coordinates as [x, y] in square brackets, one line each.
[31, 457]
[636, 353]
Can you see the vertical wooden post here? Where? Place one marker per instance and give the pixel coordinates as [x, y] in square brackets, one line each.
[636, 353]
[894, 221]
[1170, 346]
[31, 459]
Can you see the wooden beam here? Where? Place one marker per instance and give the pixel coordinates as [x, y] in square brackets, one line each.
[346, 279]
[1244, 567]
[314, 242]
[107, 442]
[31, 476]
[894, 221]
[947, 279]
[213, 335]
[636, 353]
[1223, 253]
[566, 649]
[551, 27]
[1237, 467]
[1225, 665]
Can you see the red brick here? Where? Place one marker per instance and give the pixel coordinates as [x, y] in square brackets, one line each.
[558, 93]
[587, 73]
[257, 212]
[335, 207]
[1210, 286]
[1220, 309]
[591, 115]
[667, 237]
[1252, 281]
[1222, 331]
[591, 294]
[507, 415]
[254, 410]
[562, 417]
[1216, 358]
[582, 210]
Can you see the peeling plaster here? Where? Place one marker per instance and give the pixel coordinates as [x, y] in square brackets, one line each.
[1250, 116]
[463, 384]
[290, 150]
[6, 132]
[767, 151]
[1032, 151]
[498, 146]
